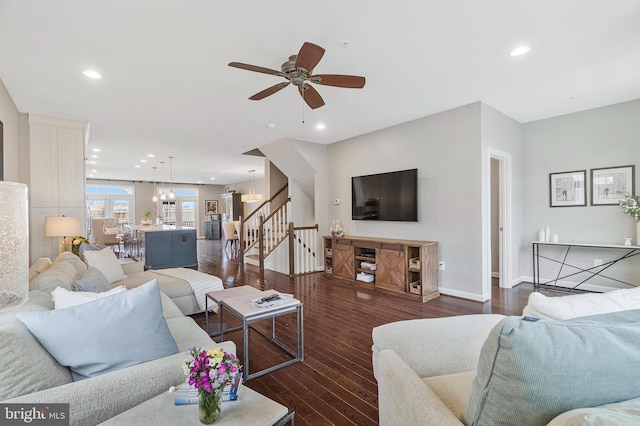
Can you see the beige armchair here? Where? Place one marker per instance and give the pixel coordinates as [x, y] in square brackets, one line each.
[106, 231]
[230, 233]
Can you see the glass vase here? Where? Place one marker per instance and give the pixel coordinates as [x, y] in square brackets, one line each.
[209, 406]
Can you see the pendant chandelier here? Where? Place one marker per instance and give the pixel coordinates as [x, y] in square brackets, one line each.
[155, 194]
[172, 195]
[251, 197]
[163, 196]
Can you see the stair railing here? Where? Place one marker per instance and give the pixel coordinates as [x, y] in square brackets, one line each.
[303, 247]
[249, 226]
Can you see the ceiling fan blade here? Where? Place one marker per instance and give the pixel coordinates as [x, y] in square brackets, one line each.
[270, 91]
[311, 96]
[309, 56]
[254, 68]
[338, 80]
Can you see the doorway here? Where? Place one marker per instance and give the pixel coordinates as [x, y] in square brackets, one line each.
[497, 226]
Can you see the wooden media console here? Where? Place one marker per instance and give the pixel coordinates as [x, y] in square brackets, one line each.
[402, 267]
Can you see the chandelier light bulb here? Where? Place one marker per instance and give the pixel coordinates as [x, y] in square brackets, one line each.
[154, 199]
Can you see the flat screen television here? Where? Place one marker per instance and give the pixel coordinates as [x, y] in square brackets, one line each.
[389, 196]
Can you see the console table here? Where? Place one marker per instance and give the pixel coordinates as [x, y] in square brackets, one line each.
[621, 253]
[402, 267]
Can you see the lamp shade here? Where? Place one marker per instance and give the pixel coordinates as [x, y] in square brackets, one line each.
[61, 226]
[14, 245]
[251, 198]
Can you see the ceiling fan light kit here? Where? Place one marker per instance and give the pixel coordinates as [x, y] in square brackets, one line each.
[298, 70]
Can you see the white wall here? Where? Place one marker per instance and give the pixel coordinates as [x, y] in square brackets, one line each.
[446, 150]
[601, 137]
[10, 118]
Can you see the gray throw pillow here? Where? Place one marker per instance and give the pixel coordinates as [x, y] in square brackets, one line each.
[107, 334]
[93, 280]
[530, 371]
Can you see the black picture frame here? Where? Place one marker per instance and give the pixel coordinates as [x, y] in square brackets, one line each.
[609, 185]
[568, 189]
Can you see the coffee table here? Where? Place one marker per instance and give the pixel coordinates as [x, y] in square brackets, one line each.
[251, 408]
[236, 301]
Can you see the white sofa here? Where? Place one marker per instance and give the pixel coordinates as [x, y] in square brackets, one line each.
[29, 374]
[425, 368]
[46, 275]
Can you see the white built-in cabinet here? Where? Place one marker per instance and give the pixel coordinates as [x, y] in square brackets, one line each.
[55, 154]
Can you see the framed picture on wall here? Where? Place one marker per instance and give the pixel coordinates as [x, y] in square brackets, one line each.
[567, 189]
[211, 207]
[610, 184]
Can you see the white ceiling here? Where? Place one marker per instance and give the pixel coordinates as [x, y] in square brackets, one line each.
[167, 89]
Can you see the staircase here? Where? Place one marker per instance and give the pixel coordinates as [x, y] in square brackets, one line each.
[267, 227]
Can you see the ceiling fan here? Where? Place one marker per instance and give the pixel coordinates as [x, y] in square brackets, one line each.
[298, 70]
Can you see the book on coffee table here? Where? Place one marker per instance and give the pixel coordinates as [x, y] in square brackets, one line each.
[186, 394]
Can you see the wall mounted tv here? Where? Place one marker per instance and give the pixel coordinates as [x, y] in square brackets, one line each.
[389, 196]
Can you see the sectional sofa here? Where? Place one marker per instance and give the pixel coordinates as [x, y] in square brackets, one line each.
[29, 373]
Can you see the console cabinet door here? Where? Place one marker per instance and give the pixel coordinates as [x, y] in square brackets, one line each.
[391, 269]
[343, 260]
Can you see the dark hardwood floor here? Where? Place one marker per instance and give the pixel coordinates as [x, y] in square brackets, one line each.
[334, 385]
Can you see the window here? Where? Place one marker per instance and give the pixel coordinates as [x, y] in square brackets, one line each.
[182, 210]
[110, 201]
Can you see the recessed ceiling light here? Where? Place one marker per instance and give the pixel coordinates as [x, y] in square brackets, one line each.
[212, 178]
[320, 126]
[94, 171]
[92, 74]
[93, 162]
[271, 125]
[150, 155]
[95, 156]
[137, 166]
[143, 161]
[199, 181]
[520, 50]
[96, 150]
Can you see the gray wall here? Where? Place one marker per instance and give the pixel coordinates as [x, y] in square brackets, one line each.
[10, 118]
[504, 134]
[144, 193]
[495, 216]
[601, 137]
[446, 150]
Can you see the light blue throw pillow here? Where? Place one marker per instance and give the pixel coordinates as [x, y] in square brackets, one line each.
[530, 371]
[93, 280]
[107, 334]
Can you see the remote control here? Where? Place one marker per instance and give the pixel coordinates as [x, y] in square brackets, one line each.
[270, 298]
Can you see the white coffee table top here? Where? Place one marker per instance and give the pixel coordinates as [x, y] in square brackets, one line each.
[251, 408]
[239, 299]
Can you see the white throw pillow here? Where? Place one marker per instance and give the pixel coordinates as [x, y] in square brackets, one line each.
[113, 230]
[64, 298]
[580, 305]
[106, 262]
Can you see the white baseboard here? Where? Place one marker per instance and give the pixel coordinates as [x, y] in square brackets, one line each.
[464, 294]
[495, 275]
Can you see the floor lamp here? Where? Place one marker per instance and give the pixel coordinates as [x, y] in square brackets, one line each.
[62, 227]
[14, 246]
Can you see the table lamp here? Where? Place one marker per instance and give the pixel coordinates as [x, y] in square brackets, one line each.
[62, 227]
[14, 245]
